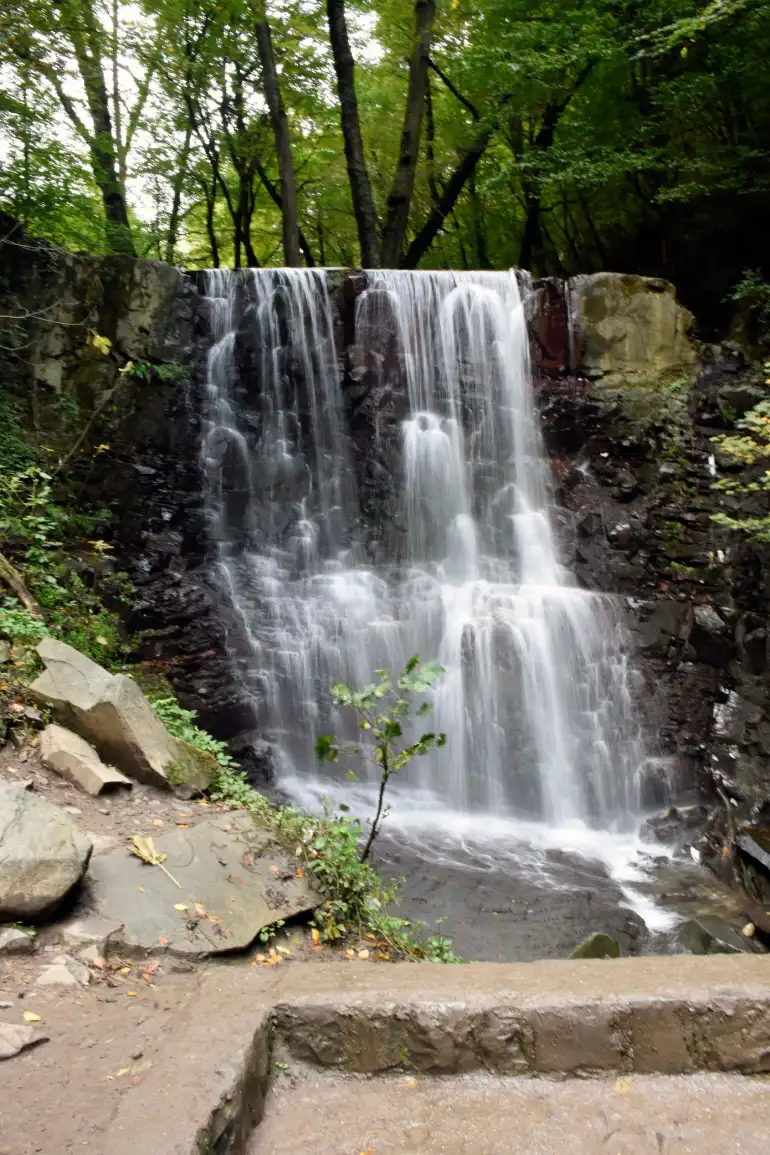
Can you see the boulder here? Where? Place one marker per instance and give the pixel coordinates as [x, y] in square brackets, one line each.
[77, 761]
[112, 713]
[43, 855]
[631, 327]
[16, 1038]
[232, 882]
[597, 945]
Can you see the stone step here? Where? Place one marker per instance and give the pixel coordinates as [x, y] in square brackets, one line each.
[684, 1040]
[482, 1115]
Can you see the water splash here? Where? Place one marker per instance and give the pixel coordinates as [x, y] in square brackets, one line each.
[536, 701]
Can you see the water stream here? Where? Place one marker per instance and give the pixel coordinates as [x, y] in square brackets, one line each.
[536, 701]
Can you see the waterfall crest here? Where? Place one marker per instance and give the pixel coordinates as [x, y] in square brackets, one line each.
[536, 701]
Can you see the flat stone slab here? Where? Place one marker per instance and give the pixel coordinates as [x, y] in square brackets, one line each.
[233, 882]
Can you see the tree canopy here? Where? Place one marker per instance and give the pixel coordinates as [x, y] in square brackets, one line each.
[446, 133]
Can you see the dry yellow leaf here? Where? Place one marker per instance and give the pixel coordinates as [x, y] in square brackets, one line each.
[284, 951]
[622, 1086]
[315, 934]
[124, 970]
[157, 821]
[31, 1017]
[180, 906]
[131, 994]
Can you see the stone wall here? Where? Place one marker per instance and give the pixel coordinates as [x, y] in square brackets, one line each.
[628, 410]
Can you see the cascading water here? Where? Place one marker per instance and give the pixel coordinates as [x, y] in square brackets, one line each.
[536, 699]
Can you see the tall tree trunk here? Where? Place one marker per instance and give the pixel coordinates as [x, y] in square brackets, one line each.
[358, 176]
[280, 125]
[275, 196]
[85, 41]
[400, 197]
[176, 204]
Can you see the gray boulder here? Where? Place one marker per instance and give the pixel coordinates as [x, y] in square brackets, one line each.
[43, 855]
[77, 761]
[112, 713]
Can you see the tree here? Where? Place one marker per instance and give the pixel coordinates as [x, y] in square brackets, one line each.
[379, 709]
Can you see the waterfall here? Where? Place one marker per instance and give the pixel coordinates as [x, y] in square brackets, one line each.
[536, 700]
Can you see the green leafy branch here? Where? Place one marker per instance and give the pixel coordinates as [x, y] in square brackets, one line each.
[380, 708]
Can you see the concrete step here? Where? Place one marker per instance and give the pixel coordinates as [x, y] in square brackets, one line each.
[356, 1055]
[481, 1115]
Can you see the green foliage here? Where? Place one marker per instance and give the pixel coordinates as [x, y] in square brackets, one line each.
[746, 450]
[181, 723]
[753, 291]
[148, 371]
[380, 709]
[18, 624]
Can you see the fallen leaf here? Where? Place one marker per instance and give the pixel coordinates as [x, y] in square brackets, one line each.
[123, 1071]
[124, 970]
[283, 950]
[144, 848]
[273, 869]
[182, 825]
[259, 958]
[349, 953]
[315, 934]
[141, 890]
[180, 906]
[157, 822]
[163, 941]
[31, 1017]
[99, 963]
[200, 910]
[102, 641]
[131, 994]
[299, 873]
[622, 1086]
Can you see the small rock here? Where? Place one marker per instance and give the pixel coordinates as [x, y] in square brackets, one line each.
[15, 1038]
[65, 971]
[32, 714]
[5, 1005]
[710, 934]
[137, 1055]
[14, 941]
[73, 809]
[597, 945]
[76, 760]
[5, 652]
[89, 954]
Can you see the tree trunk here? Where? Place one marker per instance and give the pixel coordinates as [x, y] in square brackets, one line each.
[282, 144]
[275, 195]
[400, 197]
[102, 145]
[176, 204]
[358, 176]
